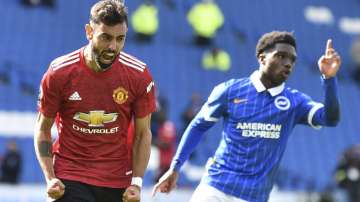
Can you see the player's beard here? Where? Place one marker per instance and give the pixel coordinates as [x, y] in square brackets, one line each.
[97, 54]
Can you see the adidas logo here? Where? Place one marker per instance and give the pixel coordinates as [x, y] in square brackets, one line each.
[75, 96]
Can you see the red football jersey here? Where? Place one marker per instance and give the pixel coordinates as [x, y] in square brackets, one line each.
[93, 111]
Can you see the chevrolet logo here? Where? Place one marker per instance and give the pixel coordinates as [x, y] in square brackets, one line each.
[96, 118]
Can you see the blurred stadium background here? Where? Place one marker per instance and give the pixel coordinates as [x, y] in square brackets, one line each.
[31, 37]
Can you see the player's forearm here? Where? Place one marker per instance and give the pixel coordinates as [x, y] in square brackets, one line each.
[43, 150]
[331, 103]
[189, 141]
[141, 153]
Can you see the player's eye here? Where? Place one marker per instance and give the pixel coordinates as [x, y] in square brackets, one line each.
[119, 39]
[280, 56]
[105, 38]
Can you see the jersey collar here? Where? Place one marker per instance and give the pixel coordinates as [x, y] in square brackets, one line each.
[259, 86]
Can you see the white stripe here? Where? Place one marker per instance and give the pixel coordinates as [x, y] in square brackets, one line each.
[205, 111]
[132, 57]
[132, 61]
[131, 65]
[312, 112]
[65, 64]
[72, 53]
[135, 60]
[212, 119]
[65, 58]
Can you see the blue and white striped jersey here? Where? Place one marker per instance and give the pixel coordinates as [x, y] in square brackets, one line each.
[257, 123]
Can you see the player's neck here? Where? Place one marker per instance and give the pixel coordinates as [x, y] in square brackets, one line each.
[90, 61]
[267, 82]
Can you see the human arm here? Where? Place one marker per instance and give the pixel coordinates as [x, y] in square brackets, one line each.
[211, 111]
[142, 145]
[188, 143]
[43, 150]
[141, 155]
[329, 65]
[329, 114]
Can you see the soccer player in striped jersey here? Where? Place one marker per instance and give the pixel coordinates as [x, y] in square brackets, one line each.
[259, 113]
[93, 93]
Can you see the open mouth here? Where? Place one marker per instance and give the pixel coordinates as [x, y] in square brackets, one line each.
[285, 73]
[108, 56]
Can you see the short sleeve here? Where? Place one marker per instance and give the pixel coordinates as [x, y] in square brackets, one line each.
[145, 102]
[307, 110]
[49, 99]
[215, 106]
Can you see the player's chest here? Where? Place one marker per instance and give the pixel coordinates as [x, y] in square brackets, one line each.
[243, 107]
[89, 93]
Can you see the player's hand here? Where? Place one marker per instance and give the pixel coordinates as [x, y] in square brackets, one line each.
[329, 63]
[132, 194]
[166, 183]
[55, 188]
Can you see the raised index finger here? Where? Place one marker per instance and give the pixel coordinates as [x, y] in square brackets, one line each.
[329, 47]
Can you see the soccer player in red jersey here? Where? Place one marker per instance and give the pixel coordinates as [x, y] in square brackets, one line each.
[93, 93]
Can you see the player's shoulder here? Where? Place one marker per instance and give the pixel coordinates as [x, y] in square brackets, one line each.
[222, 89]
[231, 83]
[132, 63]
[295, 93]
[64, 61]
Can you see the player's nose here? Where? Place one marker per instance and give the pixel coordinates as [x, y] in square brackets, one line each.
[288, 63]
[112, 45]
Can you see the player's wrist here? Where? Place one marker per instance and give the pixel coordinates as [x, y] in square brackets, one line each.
[50, 178]
[328, 78]
[175, 166]
[174, 170]
[136, 181]
[325, 76]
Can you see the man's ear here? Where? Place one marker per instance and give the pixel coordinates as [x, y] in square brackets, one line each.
[89, 32]
[261, 59]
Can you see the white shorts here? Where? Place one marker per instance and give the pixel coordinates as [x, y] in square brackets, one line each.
[207, 193]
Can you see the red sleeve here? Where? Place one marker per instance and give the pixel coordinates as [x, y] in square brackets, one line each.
[49, 97]
[145, 102]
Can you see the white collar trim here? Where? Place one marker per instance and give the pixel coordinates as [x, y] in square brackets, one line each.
[259, 86]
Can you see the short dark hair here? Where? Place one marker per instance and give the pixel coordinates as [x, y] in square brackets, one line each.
[109, 12]
[269, 40]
